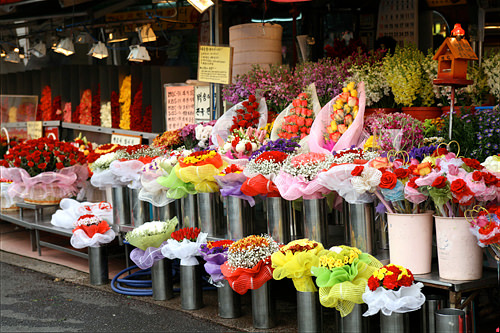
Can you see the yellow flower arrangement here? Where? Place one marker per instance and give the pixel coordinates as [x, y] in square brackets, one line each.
[193, 159]
[125, 101]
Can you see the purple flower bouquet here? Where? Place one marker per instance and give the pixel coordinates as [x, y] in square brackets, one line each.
[215, 254]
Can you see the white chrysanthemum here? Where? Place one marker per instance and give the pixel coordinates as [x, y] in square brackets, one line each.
[104, 161]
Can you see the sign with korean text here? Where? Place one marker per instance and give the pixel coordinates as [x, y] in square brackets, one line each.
[202, 100]
[34, 129]
[214, 64]
[125, 139]
[179, 102]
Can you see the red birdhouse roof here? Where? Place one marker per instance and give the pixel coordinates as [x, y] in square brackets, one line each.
[460, 49]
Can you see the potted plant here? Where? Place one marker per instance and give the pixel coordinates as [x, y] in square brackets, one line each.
[409, 72]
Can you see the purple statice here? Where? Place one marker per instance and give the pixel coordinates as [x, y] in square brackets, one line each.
[419, 153]
[283, 145]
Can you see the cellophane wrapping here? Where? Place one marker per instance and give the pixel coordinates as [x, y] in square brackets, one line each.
[92, 235]
[224, 123]
[127, 173]
[145, 236]
[259, 185]
[243, 279]
[230, 185]
[292, 188]
[186, 250]
[351, 137]
[71, 210]
[145, 259]
[202, 174]
[177, 188]
[46, 185]
[152, 191]
[406, 299]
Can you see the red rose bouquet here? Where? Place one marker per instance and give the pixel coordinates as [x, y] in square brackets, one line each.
[184, 245]
[90, 230]
[392, 289]
[485, 225]
[44, 170]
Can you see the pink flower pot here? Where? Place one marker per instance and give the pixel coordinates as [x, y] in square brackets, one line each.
[410, 241]
[459, 256]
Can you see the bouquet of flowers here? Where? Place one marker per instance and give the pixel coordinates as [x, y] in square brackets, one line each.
[215, 254]
[330, 129]
[184, 245]
[90, 230]
[169, 139]
[148, 239]
[342, 275]
[241, 144]
[296, 120]
[175, 187]
[199, 168]
[392, 289]
[248, 264]
[295, 260]
[71, 210]
[486, 227]
[230, 181]
[249, 113]
[202, 134]
[299, 176]
[261, 171]
[44, 170]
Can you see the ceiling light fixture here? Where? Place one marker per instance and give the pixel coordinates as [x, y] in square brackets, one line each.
[16, 49]
[99, 50]
[116, 36]
[39, 50]
[138, 54]
[12, 57]
[146, 33]
[2, 54]
[65, 47]
[201, 5]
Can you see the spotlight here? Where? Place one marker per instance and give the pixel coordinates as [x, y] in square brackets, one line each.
[146, 33]
[138, 54]
[98, 50]
[12, 57]
[201, 5]
[115, 36]
[39, 50]
[65, 47]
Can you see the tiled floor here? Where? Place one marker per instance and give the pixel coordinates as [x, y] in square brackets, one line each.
[16, 240]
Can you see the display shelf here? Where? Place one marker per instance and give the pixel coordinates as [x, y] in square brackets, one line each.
[23, 124]
[107, 130]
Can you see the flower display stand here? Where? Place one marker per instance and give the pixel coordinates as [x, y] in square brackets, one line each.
[428, 313]
[191, 291]
[229, 302]
[278, 222]
[459, 256]
[121, 205]
[161, 279]
[139, 210]
[98, 265]
[210, 214]
[315, 223]
[239, 218]
[309, 315]
[354, 321]
[359, 226]
[263, 307]
[395, 323]
[189, 212]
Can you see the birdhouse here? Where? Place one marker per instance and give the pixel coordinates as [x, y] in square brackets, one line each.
[452, 57]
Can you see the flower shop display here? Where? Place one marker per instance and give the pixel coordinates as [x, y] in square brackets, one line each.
[184, 245]
[199, 168]
[296, 120]
[105, 115]
[85, 108]
[136, 110]
[91, 231]
[44, 170]
[342, 276]
[169, 139]
[392, 288]
[240, 144]
[294, 261]
[115, 110]
[485, 225]
[176, 188]
[215, 254]
[230, 181]
[248, 264]
[125, 100]
[70, 210]
[337, 126]
[151, 190]
[299, 176]
[149, 238]
[45, 105]
[248, 113]
[95, 110]
[202, 133]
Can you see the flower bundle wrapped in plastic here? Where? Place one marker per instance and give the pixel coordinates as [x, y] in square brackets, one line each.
[299, 176]
[199, 168]
[295, 261]
[184, 245]
[241, 143]
[486, 226]
[148, 240]
[7, 202]
[248, 264]
[44, 170]
[342, 276]
[215, 254]
[175, 187]
[71, 210]
[339, 124]
[92, 231]
[261, 171]
[230, 181]
[392, 289]
[202, 134]
[248, 113]
[296, 120]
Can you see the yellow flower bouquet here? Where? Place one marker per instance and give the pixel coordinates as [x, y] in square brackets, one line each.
[199, 168]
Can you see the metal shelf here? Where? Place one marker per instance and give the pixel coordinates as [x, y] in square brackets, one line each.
[107, 130]
[23, 124]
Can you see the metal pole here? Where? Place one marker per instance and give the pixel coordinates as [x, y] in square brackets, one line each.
[239, 218]
[98, 265]
[164, 213]
[139, 210]
[121, 206]
[229, 302]
[189, 212]
[315, 223]
[429, 308]
[309, 317]
[161, 278]
[191, 292]
[354, 321]
[359, 232]
[263, 307]
[210, 213]
[278, 224]
[395, 323]
[450, 321]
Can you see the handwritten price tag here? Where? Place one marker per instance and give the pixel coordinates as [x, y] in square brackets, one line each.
[34, 129]
[125, 139]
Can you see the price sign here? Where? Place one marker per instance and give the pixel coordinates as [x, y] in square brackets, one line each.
[34, 129]
[202, 101]
[214, 64]
[180, 106]
[126, 139]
